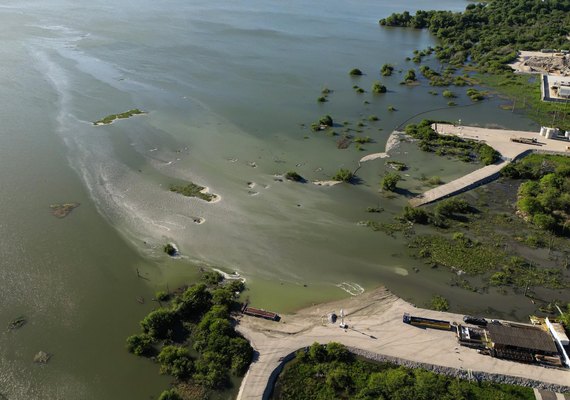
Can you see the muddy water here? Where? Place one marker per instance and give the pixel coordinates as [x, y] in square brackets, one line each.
[230, 90]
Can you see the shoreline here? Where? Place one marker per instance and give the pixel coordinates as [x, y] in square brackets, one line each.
[376, 331]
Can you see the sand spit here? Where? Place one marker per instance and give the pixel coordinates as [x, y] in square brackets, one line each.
[326, 183]
[392, 142]
[373, 156]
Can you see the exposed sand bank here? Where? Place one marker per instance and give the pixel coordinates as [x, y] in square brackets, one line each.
[326, 183]
[392, 142]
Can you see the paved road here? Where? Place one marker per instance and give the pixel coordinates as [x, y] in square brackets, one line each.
[375, 320]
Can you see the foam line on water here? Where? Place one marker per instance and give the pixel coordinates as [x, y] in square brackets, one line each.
[352, 288]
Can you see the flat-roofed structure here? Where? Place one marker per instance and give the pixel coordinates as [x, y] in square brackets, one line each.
[521, 342]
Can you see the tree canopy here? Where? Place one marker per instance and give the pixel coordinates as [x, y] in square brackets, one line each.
[491, 33]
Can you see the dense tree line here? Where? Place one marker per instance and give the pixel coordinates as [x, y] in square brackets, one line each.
[545, 197]
[490, 33]
[196, 321]
[332, 372]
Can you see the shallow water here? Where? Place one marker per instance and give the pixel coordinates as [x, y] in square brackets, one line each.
[227, 87]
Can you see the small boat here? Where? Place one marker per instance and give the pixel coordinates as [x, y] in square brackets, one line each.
[17, 323]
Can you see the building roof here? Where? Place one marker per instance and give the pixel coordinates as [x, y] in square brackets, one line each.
[564, 91]
[523, 337]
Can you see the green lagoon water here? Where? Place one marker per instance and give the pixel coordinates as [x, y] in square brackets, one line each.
[227, 87]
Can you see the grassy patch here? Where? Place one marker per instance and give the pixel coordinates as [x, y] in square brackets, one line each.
[192, 190]
[459, 254]
[439, 303]
[110, 118]
[523, 93]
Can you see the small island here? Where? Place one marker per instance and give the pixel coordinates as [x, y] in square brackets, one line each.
[109, 119]
[193, 190]
[62, 210]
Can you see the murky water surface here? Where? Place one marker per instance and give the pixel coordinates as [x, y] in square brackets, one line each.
[230, 89]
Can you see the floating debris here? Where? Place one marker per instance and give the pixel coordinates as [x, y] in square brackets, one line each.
[62, 210]
[42, 357]
[17, 323]
[140, 300]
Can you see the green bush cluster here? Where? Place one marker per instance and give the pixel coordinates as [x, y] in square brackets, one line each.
[390, 181]
[378, 88]
[343, 175]
[490, 33]
[331, 372]
[387, 70]
[170, 394]
[453, 208]
[192, 190]
[110, 118]
[545, 198]
[439, 303]
[199, 317]
[410, 76]
[449, 145]
[325, 121]
[475, 95]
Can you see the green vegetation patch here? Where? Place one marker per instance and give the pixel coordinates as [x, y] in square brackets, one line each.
[193, 340]
[487, 36]
[332, 372]
[343, 175]
[390, 181]
[460, 253]
[294, 176]
[519, 273]
[490, 33]
[448, 145]
[439, 303]
[386, 69]
[113, 117]
[523, 91]
[192, 190]
[355, 72]
[323, 123]
[544, 199]
[378, 88]
[410, 76]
